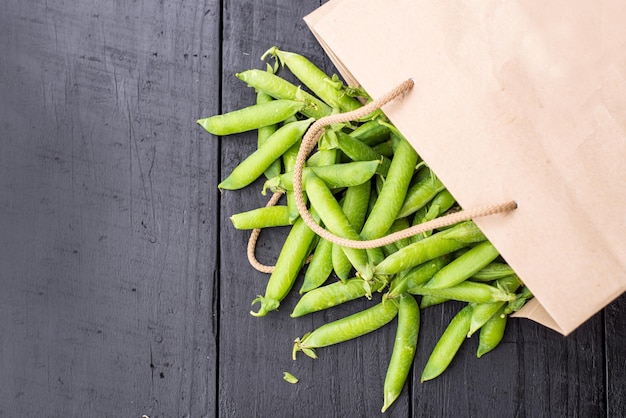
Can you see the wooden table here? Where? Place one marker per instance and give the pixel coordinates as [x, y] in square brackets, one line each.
[125, 289]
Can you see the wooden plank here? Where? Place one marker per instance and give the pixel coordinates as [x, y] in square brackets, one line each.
[107, 208]
[615, 334]
[347, 379]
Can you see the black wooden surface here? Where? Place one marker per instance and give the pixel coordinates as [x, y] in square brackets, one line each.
[125, 289]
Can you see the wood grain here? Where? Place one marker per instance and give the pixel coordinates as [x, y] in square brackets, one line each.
[108, 208]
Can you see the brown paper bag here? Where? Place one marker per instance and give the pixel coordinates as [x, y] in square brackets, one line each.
[518, 100]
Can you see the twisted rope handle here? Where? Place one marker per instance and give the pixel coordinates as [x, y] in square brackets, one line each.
[310, 140]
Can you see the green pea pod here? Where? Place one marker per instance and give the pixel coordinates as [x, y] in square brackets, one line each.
[493, 271]
[416, 276]
[264, 132]
[264, 217]
[371, 133]
[440, 203]
[347, 328]
[491, 333]
[289, 162]
[393, 192]
[354, 206]
[315, 79]
[389, 249]
[428, 301]
[398, 225]
[418, 218]
[466, 232]
[322, 157]
[464, 266]
[385, 149]
[358, 151]
[422, 191]
[341, 263]
[434, 246]
[328, 296]
[251, 117]
[319, 268]
[336, 222]
[256, 163]
[448, 345]
[466, 292]
[335, 175]
[290, 260]
[403, 350]
[282, 89]
[481, 313]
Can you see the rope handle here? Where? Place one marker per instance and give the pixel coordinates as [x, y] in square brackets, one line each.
[311, 138]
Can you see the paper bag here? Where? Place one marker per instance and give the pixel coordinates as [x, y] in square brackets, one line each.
[518, 100]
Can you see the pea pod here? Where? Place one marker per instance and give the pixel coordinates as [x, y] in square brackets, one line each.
[493, 271]
[357, 151]
[335, 175]
[428, 301]
[289, 162]
[354, 206]
[290, 260]
[328, 296]
[264, 132]
[256, 163]
[466, 292]
[448, 345]
[323, 201]
[491, 333]
[436, 245]
[371, 133]
[347, 328]
[251, 117]
[393, 193]
[403, 350]
[315, 79]
[263, 217]
[282, 89]
[464, 266]
[484, 311]
[416, 276]
[425, 188]
[319, 268]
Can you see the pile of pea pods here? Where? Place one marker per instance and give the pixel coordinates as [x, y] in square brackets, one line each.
[363, 181]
